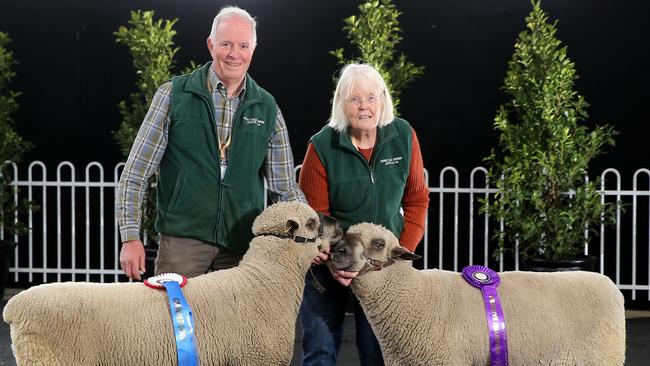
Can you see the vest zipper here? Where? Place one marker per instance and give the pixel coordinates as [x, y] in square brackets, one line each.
[216, 225]
[373, 194]
[370, 166]
[239, 111]
[210, 103]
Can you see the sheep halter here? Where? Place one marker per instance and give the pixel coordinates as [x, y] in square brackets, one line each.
[487, 281]
[375, 265]
[286, 234]
[181, 315]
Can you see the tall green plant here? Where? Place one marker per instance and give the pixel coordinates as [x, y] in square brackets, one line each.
[151, 45]
[545, 149]
[152, 48]
[375, 33]
[12, 145]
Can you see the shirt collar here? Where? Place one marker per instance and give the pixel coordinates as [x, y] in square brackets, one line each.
[221, 87]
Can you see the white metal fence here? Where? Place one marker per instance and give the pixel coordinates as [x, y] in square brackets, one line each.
[74, 234]
[464, 235]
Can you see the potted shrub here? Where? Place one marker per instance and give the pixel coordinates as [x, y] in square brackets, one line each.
[544, 150]
[12, 148]
[375, 33]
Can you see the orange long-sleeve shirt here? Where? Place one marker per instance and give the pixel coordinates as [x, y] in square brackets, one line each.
[313, 183]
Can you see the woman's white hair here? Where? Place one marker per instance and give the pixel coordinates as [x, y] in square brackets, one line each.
[367, 78]
[229, 12]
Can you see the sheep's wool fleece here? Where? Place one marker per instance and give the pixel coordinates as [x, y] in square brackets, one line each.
[243, 316]
[434, 317]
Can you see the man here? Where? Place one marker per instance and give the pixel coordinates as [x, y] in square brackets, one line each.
[213, 136]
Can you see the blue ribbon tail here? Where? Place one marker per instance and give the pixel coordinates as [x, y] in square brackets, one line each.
[183, 325]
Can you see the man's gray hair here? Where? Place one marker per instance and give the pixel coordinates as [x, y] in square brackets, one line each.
[365, 77]
[229, 12]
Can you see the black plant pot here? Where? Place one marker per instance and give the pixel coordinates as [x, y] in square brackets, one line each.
[583, 263]
[6, 251]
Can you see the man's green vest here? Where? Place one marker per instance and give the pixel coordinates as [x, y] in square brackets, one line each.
[193, 199]
[362, 191]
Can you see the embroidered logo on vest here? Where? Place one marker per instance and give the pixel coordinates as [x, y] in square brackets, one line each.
[391, 161]
[253, 121]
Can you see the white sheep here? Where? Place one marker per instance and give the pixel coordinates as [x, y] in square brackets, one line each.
[433, 317]
[243, 316]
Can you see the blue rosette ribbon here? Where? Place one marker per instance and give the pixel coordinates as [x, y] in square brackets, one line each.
[181, 314]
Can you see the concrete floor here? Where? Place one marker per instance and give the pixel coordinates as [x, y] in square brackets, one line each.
[637, 354]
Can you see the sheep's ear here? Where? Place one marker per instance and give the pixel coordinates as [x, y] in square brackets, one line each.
[291, 226]
[404, 254]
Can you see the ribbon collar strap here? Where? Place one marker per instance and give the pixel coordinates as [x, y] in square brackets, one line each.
[181, 316]
[375, 265]
[487, 281]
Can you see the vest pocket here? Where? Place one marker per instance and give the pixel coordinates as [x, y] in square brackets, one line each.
[170, 186]
[177, 191]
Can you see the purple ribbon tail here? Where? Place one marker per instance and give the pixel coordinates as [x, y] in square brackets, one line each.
[497, 326]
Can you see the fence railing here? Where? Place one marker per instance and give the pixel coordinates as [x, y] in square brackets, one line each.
[464, 236]
[74, 234]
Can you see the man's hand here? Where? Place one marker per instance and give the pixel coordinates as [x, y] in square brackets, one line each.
[343, 277]
[321, 257]
[132, 259]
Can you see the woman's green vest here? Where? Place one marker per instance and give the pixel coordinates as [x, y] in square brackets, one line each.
[362, 191]
[194, 201]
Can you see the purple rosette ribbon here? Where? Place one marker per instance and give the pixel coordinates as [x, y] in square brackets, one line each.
[487, 281]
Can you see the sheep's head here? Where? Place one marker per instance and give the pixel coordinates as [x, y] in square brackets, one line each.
[298, 221]
[367, 247]
[330, 232]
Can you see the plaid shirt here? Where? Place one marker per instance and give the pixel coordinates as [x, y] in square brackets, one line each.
[150, 143]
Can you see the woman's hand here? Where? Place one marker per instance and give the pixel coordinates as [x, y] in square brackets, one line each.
[343, 277]
[321, 257]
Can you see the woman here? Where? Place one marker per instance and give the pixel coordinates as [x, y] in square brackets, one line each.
[363, 166]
